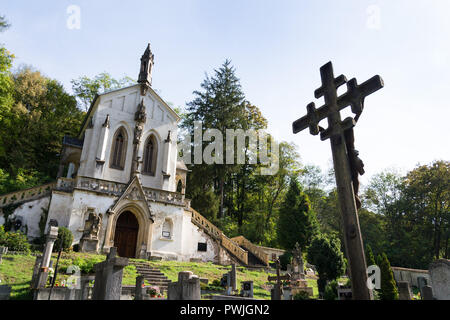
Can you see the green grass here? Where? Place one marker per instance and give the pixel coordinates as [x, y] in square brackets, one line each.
[16, 271]
[211, 271]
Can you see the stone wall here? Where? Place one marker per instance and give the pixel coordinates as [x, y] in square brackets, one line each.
[410, 275]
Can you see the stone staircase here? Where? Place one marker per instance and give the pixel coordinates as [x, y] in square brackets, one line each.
[232, 247]
[22, 196]
[153, 275]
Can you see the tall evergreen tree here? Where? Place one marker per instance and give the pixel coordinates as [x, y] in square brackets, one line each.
[388, 289]
[220, 105]
[297, 222]
[325, 253]
[370, 258]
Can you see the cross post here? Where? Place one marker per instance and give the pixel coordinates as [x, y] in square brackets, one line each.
[278, 278]
[354, 97]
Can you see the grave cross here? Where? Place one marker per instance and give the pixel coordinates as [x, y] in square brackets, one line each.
[347, 165]
[278, 278]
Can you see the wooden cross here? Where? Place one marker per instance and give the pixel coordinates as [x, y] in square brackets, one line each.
[354, 97]
[278, 278]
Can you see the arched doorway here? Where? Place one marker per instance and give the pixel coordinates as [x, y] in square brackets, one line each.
[126, 234]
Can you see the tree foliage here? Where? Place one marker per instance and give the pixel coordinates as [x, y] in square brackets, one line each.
[388, 289]
[85, 88]
[64, 240]
[325, 253]
[297, 222]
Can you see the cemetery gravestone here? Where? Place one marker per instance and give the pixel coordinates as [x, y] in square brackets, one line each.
[427, 293]
[233, 278]
[108, 277]
[5, 292]
[139, 290]
[46, 256]
[277, 291]
[3, 250]
[421, 282]
[247, 289]
[36, 268]
[344, 292]
[404, 291]
[186, 288]
[440, 278]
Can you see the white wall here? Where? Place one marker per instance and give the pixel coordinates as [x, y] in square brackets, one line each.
[82, 201]
[30, 213]
[121, 106]
[60, 208]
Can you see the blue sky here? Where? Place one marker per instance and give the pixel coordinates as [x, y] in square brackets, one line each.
[277, 48]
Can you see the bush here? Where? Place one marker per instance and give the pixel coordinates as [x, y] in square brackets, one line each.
[325, 253]
[388, 287]
[331, 291]
[15, 241]
[87, 265]
[285, 259]
[216, 283]
[65, 239]
[302, 295]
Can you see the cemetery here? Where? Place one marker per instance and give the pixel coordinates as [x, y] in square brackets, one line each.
[160, 188]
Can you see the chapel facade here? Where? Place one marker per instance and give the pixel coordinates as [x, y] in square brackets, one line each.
[120, 184]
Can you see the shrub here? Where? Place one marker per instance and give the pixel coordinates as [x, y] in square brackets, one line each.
[87, 265]
[331, 290]
[302, 295]
[285, 259]
[216, 283]
[325, 253]
[64, 240]
[15, 241]
[388, 287]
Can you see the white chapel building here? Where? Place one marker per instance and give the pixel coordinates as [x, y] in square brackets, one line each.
[120, 185]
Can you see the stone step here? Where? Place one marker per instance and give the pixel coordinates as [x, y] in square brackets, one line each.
[157, 280]
[151, 274]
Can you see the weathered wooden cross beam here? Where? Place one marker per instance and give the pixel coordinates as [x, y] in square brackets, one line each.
[343, 156]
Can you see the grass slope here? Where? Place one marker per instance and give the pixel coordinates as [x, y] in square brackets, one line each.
[16, 271]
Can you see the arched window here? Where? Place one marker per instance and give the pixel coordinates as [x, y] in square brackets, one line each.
[150, 156]
[119, 149]
[180, 186]
[167, 229]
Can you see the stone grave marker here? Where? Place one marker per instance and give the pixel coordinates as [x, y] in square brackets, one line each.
[404, 290]
[277, 291]
[186, 288]
[36, 269]
[3, 250]
[421, 282]
[46, 256]
[427, 293]
[440, 278]
[233, 277]
[247, 289]
[5, 292]
[108, 277]
[139, 289]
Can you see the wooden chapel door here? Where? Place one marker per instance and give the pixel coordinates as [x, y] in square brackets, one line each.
[125, 238]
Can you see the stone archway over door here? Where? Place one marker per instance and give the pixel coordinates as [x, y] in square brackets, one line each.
[126, 234]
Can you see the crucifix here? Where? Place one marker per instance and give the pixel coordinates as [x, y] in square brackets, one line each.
[278, 288]
[347, 164]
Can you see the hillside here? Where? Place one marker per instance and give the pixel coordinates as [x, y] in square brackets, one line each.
[16, 271]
